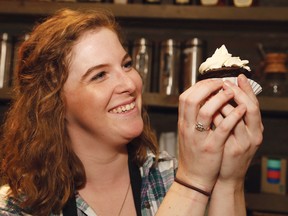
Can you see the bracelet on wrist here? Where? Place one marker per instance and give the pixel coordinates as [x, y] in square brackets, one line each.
[208, 194]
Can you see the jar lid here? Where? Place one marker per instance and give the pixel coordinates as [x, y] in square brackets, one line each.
[142, 42]
[170, 43]
[5, 37]
[194, 42]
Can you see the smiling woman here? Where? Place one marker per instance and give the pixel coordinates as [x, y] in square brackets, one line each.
[77, 138]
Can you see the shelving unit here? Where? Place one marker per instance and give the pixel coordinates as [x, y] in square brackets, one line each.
[275, 104]
[259, 14]
[240, 28]
[171, 101]
[267, 202]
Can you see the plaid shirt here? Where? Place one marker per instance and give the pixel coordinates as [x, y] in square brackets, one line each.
[155, 183]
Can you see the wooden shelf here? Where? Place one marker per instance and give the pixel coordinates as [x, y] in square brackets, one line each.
[171, 101]
[158, 100]
[267, 202]
[227, 13]
[277, 104]
[5, 94]
[269, 104]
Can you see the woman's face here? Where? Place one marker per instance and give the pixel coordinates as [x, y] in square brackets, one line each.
[103, 90]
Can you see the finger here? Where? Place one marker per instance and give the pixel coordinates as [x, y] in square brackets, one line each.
[224, 126]
[253, 115]
[212, 105]
[240, 130]
[245, 85]
[191, 100]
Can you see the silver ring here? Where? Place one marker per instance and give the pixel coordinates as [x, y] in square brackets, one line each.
[200, 127]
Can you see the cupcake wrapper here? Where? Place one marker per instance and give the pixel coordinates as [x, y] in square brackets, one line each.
[255, 86]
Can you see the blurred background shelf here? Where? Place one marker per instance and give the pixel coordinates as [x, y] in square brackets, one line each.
[273, 104]
[163, 11]
[5, 94]
[267, 202]
[269, 104]
[240, 29]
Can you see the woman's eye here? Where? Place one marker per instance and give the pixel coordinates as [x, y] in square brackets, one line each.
[128, 64]
[99, 76]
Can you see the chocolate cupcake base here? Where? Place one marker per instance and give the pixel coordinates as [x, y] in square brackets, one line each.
[224, 72]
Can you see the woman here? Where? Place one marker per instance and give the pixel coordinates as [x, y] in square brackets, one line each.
[77, 140]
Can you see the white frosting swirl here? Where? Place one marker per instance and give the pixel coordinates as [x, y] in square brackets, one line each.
[221, 58]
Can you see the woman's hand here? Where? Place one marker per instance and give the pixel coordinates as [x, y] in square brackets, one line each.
[201, 152]
[246, 137]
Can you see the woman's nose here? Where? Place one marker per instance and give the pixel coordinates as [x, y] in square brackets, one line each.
[125, 82]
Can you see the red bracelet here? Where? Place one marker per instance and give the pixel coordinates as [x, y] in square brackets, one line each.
[192, 187]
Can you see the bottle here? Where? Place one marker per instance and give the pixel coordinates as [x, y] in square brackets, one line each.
[142, 57]
[192, 58]
[5, 61]
[169, 67]
[274, 83]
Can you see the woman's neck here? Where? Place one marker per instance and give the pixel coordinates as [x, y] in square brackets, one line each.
[105, 166]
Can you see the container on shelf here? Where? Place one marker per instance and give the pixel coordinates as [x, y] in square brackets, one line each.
[244, 3]
[5, 60]
[142, 57]
[212, 2]
[151, 1]
[192, 58]
[169, 67]
[89, 1]
[65, 0]
[274, 82]
[121, 1]
[182, 2]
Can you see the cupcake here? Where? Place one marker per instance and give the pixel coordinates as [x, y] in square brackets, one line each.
[222, 65]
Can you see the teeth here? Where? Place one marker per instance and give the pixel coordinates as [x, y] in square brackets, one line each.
[124, 108]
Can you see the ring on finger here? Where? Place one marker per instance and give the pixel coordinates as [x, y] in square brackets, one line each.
[200, 127]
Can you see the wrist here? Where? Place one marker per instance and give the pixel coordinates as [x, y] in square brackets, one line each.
[192, 187]
[229, 187]
[201, 183]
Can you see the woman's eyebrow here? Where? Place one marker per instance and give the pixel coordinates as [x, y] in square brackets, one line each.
[89, 71]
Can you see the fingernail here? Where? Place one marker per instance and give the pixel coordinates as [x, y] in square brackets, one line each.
[228, 83]
[228, 91]
[243, 78]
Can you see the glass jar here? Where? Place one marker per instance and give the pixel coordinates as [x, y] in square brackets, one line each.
[169, 67]
[274, 81]
[192, 58]
[142, 58]
[5, 60]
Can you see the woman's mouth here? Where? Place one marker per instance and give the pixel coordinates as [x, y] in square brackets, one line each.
[124, 108]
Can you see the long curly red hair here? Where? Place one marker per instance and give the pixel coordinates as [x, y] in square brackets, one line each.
[37, 161]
